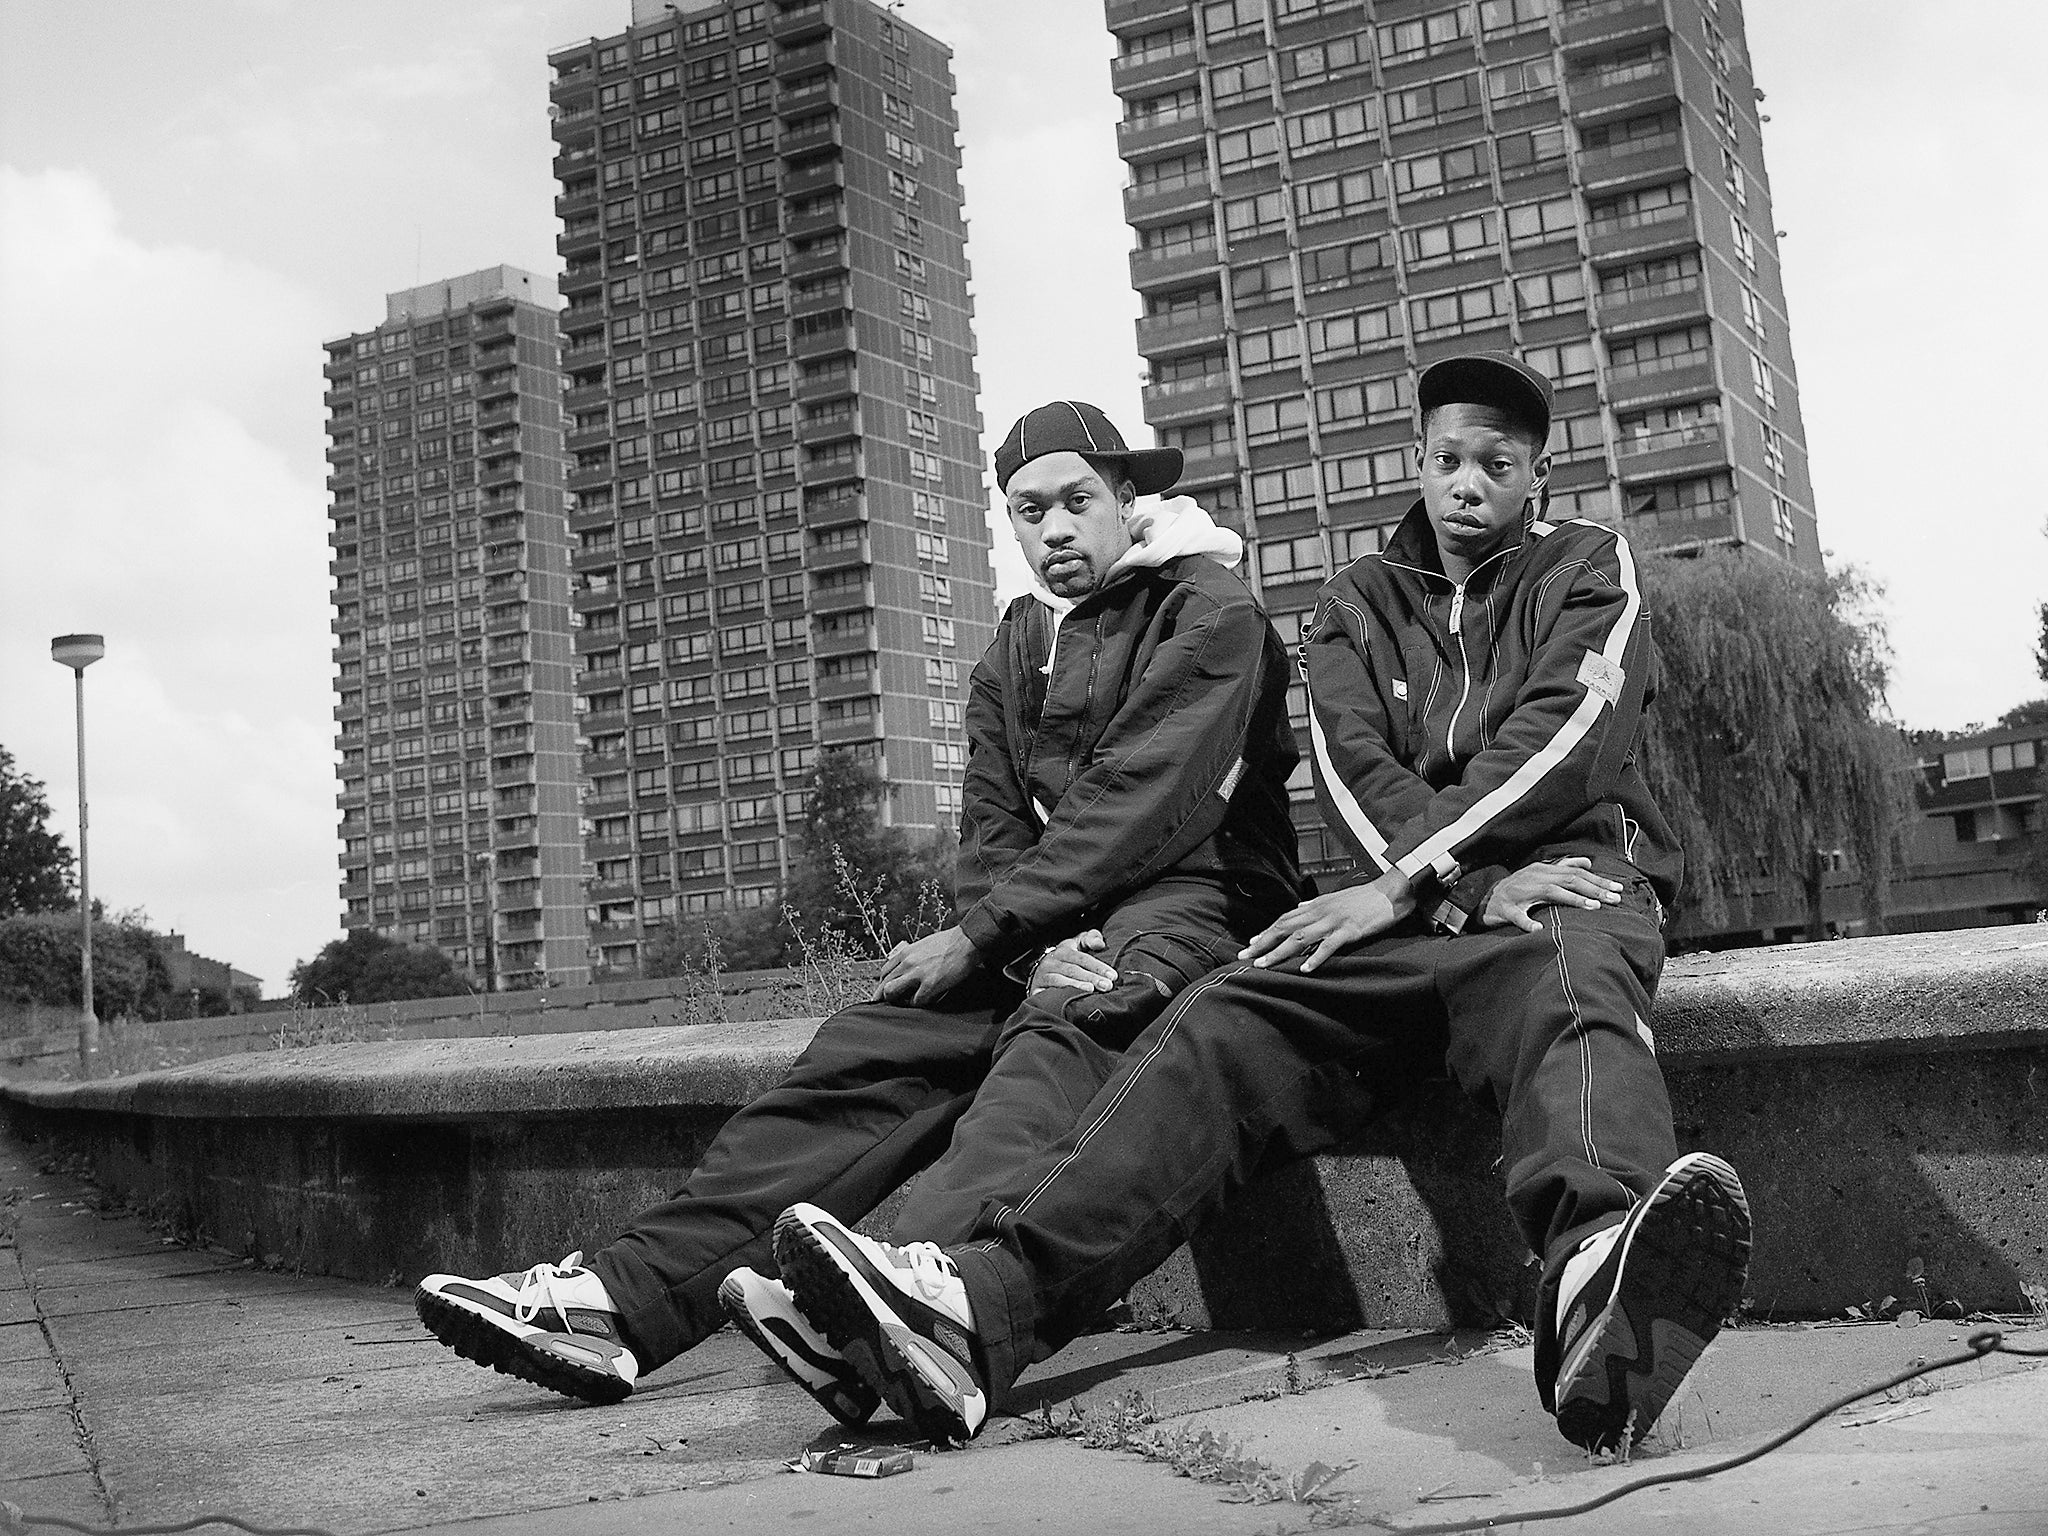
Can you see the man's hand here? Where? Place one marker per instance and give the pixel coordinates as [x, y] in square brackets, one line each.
[1333, 921]
[925, 971]
[1567, 883]
[1072, 963]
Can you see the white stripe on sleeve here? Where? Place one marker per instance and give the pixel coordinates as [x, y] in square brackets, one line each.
[1361, 826]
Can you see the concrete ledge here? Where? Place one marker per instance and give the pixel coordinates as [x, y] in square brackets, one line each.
[735, 995]
[1883, 1097]
[722, 1065]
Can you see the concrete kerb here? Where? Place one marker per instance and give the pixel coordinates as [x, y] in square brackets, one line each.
[1881, 1096]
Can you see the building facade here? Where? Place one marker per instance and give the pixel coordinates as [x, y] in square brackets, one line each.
[1971, 857]
[775, 484]
[1328, 195]
[455, 696]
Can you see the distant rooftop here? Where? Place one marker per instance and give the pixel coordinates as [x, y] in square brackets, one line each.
[645, 11]
[471, 288]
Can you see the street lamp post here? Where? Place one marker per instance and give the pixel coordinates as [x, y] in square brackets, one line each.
[487, 861]
[79, 652]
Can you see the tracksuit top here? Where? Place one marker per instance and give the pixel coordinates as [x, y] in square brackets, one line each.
[1461, 732]
[1141, 734]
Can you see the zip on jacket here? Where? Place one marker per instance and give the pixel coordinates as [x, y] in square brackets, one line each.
[1523, 742]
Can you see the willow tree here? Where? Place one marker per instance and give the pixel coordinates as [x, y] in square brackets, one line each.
[1767, 745]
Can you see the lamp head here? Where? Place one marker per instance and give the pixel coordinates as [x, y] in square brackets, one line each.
[77, 651]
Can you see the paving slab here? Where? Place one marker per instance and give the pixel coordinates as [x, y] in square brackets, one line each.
[35, 1442]
[168, 1262]
[22, 1341]
[33, 1382]
[207, 1387]
[72, 1495]
[1476, 1433]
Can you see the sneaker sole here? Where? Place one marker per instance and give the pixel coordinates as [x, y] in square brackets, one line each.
[889, 1356]
[852, 1403]
[1681, 1274]
[476, 1338]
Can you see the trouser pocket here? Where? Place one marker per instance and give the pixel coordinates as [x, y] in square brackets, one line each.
[1152, 970]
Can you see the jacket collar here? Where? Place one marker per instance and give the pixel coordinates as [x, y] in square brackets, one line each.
[1413, 549]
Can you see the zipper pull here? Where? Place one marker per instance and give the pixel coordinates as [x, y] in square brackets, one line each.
[1457, 607]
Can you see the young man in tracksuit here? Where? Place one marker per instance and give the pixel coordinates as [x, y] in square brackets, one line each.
[1477, 696]
[1124, 830]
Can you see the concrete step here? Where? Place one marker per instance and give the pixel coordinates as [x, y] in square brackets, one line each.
[1883, 1099]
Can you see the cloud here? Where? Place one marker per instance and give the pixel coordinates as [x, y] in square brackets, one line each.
[160, 453]
[272, 119]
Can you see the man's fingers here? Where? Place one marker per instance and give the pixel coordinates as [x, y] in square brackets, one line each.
[1092, 939]
[1560, 893]
[1332, 941]
[1590, 885]
[1259, 943]
[1068, 975]
[1520, 917]
[1284, 948]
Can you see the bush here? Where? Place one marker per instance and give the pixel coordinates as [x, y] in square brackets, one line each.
[39, 963]
[365, 967]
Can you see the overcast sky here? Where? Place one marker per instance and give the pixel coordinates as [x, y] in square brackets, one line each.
[194, 194]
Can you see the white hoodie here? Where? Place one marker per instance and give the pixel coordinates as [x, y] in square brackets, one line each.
[1164, 531]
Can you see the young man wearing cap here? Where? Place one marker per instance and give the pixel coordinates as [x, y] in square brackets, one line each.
[1477, 696]
[1124, 829]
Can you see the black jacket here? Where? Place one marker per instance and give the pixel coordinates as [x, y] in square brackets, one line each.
[1157, 745]
[1461, 732]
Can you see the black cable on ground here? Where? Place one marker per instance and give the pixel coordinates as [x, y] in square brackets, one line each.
[1986, 1341]
[15, 1521]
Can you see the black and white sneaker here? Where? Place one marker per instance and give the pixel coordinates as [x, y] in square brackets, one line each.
[554, 1326]
[900, 1316]
[765, 1312]
[1639, 1302]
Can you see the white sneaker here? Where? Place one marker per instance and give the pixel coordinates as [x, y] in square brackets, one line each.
[554, 1325]
[900, 1316]
[1639, 1302]
[765, 1312]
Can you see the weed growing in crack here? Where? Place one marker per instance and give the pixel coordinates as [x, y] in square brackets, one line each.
[1127, 1422]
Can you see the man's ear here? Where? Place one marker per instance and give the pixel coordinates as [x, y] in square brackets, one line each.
[1541, 476]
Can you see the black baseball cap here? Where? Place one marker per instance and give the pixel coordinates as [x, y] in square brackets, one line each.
[1498, 379]
[1073, 426]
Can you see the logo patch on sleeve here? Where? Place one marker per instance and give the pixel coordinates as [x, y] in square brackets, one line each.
[1601, 676]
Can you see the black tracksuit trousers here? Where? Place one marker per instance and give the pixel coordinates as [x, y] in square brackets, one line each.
[1250, 1067]
[883, 1089]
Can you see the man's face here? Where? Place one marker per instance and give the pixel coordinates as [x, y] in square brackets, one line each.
[1070, 522]
[1478, 472]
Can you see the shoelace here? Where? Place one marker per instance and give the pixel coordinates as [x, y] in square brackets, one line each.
[921, 1256]
[541, 1278]
[931, 1271]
